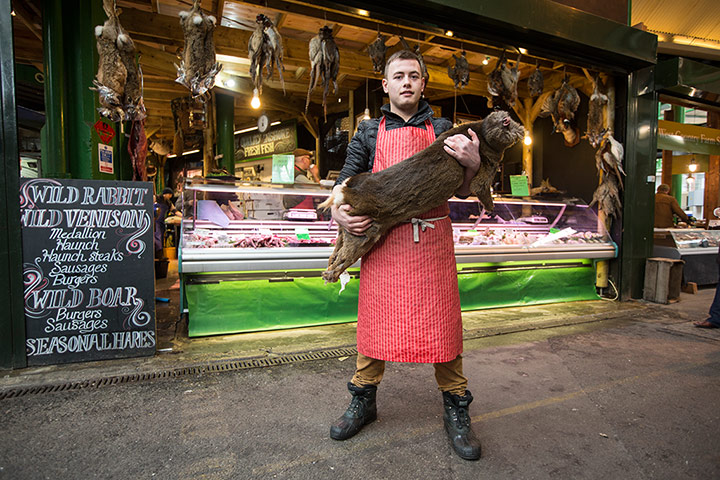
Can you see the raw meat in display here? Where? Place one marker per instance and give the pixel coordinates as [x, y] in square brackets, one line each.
[324, 64]
[198, 67]
[417, 184]
[460, 73]
[265, 49]
[377, 51]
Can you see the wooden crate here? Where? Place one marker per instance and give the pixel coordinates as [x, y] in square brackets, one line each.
[663, 280]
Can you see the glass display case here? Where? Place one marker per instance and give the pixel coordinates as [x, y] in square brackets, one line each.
[698, 248]
[253, 238]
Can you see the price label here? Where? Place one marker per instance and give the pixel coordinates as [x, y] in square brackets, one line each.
[519, 186]
[302, 233]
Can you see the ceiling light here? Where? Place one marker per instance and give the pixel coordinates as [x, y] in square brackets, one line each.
[523, 51]
[364, 13]
[486, 60]
[692, 166]
[366, 114]
[275, 123]
[230, 82]
[12, 12]
[449, 33]
[245, 130]
[527, 140]
[255, 102]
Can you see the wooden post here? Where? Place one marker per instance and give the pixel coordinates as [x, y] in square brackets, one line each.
[712, 176]
[209, 162]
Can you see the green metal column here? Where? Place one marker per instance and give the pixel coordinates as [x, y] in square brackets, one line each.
[12, 320]
[640, 152]
[225, 116]
[54, 158]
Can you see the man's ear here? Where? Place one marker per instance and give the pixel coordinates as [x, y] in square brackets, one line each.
[385, 85]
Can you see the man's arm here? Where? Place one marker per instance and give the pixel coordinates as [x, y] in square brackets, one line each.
[677, 210]
[467, 152]
[356, 161]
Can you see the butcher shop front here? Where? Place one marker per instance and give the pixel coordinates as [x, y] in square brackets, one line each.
[215, 130]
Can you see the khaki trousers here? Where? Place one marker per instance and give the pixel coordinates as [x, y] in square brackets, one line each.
[449, 375]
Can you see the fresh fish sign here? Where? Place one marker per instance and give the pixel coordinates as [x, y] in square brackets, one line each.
[87, 269]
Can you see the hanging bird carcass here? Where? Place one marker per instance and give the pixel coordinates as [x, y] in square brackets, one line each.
[324, 64]
[597, 112]
[421, 60]
[460, 73]
[502, 84]
[561, 107]
[607, 196]
[609, 158]
[536, 82]
[377, 51]
[198, 67]
[265, 49]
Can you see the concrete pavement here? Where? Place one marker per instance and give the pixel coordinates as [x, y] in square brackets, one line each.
[585, 390]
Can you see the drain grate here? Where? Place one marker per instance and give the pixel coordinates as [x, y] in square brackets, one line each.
[218, 367]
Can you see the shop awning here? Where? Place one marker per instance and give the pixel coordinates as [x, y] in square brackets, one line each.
[681, 137]
[547, 28]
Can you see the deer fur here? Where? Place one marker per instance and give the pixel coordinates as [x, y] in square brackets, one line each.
[417, 184]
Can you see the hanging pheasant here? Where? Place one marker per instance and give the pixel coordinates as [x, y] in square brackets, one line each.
[377, 51]
[460, 73]
[265, 50]
[324, 64]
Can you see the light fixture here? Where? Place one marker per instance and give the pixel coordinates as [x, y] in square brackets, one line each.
[486, 60]
[527, 140]
[230, 82]
[449, 33]
[172, 155]
[692, 166]
[523, 51]
[255, 102]
[340, 100]
[364, 13]
[12, 13]
[275, 123]
[690, 182]
[366, 113]
[245, 130]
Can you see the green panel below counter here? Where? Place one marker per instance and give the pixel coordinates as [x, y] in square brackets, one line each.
[239, 305]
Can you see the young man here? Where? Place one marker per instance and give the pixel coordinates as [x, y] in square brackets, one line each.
[409, 304]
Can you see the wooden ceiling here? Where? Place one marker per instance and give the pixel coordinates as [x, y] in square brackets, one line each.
[154, 26]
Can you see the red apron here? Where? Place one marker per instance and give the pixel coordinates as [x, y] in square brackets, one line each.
[409, 303]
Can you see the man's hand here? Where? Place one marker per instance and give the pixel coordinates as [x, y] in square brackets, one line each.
[355, 225]
[465, 150]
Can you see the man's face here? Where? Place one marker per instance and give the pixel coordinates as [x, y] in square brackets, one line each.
[404, 83]
[305, 162]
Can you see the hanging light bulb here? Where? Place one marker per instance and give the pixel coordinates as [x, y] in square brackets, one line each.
[527, 140]
[692, 166]
[486, 60]
[255, 102]
[690, 182]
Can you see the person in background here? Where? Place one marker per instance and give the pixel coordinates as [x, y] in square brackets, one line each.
[713, 321]
[409, 303]
[305, 170]
[163, 208]
[665, 207]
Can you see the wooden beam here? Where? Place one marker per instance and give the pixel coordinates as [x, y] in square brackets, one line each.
[26, 16]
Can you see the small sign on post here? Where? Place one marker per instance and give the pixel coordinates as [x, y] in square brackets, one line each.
[519, 186]
[104, 131]
[283, 167]
[105, 156]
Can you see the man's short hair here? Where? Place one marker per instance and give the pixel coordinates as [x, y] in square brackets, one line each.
[401, 55]
[663, 188]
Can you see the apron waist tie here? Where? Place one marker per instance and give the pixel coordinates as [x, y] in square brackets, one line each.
[423, 223]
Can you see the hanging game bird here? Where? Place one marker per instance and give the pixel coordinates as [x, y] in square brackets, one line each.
[265, 49]
[609, 158]
[561, 107]
[607, 196]
[460, 73]
[502, 84]
[377, 51]
[596, 114]
[324, 63]
[535, 82]
[198, 67]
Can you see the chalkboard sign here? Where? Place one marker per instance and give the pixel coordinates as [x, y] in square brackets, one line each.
[87, 269]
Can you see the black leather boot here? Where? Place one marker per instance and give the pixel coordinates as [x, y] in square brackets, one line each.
[457, 425]
[361, 411]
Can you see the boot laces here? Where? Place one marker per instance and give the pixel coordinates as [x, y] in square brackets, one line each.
[356, 404]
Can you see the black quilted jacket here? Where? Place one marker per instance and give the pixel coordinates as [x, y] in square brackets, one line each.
[361, 151]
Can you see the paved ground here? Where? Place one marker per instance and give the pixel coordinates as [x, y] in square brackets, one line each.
[583, 391]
